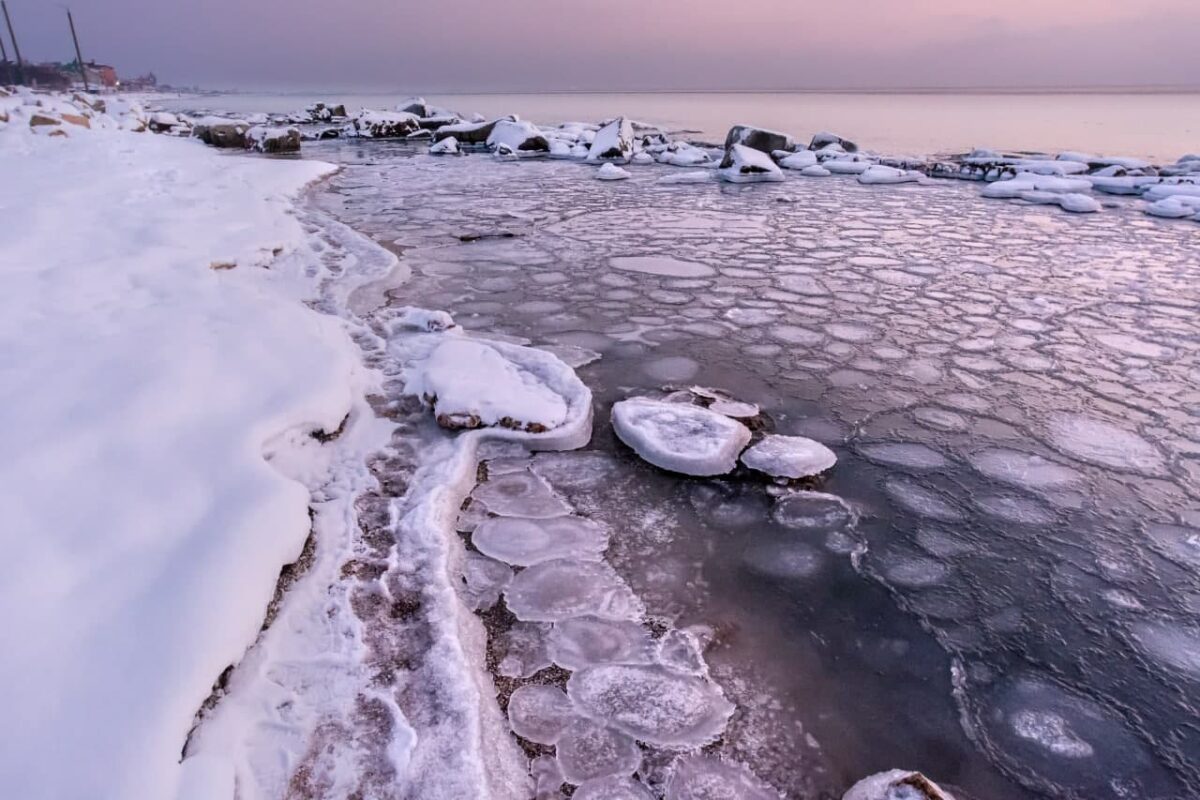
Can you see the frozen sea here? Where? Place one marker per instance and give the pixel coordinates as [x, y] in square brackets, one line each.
[1005, 592]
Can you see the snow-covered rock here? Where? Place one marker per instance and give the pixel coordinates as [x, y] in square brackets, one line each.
[877, 174]
[1078, 203]
[798, 160]
[611, 172]
[1176, 207]
[846, 165]
[1028, 182]
[825, 138]
[471, 133]
[761, 139]
[743, 164]
[680, 437]
[518, 136]
[683, 154]
[897, 784]
[815, 171]
[372, 124]
[613, 142]
[273, 140]
[445, 147]
[789, 457]
[221, 131]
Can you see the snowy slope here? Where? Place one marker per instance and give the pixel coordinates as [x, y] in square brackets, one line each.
[143, 529]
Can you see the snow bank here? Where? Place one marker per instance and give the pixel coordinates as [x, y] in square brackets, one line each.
[149, 359]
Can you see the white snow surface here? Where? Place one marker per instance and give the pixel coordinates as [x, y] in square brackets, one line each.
[747, 165]
[140, 390]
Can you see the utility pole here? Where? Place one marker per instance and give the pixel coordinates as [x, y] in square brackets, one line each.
[16, 47]
[78, 55]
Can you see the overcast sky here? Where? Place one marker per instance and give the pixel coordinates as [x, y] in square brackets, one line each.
[486, 45]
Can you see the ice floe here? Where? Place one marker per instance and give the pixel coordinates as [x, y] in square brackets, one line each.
[789, 457]
[799, 160]
[699, 777]
[557, 590]
[680, 438]
[813, 512]
[520, 494]
[612, 788]
[586, 641]
[587, 750]
[1102, 443]
[540, 713]
[524, 542]
[611, 172]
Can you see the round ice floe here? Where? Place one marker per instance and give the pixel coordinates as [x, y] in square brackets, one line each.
[561, 589]
[539, 713]
[1027, 470]
[1099, 442]
[612, 788]
[907, 455]
[1173, 645]
[524, 542]
[652, 704]
[577, 470]
[730, 505]
[484, 579]
[587, 750]
[586, 641]
[523, 650]
[662, 265]
[520, 494]
[1014, 508]
[922, 501]
[697, 777]
[852, 332]
[914, 571]
[789, 457]
[812, 511]
[680, 438]
[783, 560]
[897, 784]
[671, 369]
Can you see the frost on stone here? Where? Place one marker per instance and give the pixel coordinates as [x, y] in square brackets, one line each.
[470, 384]
[897, 784]
[789, 457]
[523, 542]
[484, 579]
[587, 750]
[813, 512]
[561, 589]
[697, 777]
[652, 704]
[680, 438]
[539, 713]
[612, 788]
[523, 650]
[587, 641]
[1102, 443]
[520, 494]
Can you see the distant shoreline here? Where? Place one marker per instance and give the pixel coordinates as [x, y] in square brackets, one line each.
[984, 91]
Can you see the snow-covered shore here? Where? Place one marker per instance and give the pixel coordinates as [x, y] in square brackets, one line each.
[156, 357]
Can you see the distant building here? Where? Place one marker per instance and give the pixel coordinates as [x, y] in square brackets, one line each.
[142, 83]
[101, 75]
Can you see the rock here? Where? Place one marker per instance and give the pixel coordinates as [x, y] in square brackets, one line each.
[77, 119]
[472, 133]
[38, 120]
[896, 784]
[446, 147]
[519, 136]
[221, 132]
[273, 140]
[799, 160]
[319, 112]
[383, 124]
[613, 142]
[826, 138]
[162, 121]
[760, 139]
[743, 164]
[679, 437]
[611, 172]
[789, 457]
[433, 123]
[414, 105]
[877, 174]
[815, 171]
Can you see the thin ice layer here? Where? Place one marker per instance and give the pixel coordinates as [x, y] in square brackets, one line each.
[524, 542]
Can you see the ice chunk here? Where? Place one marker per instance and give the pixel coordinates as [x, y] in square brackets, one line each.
[722, 403]
[815, 171]
[652, 704]
[680, 438]
[470, 383]
[1173, 645]
[1050, 731]
[697, 777]
[520, 494]
[908, 455]
[611, 172]
[877, 174]
[1102, 443]
[662, 265]
[1014, 508]
[914, 571]
[484, 579]
[524, 650]
[813, 512]
[799, 160]
[613, 142]
[418, 319]
[578, 470]
[587, 750]
[547, 777]
[1078, 203]
[921, 500]
[897, 784]
[612, 788]
[586, 641]
[1022, 183]
[539, 713]
[1027, 470]
[789, 457]
[556, 590]
[784, 560]
[682, 651]
[445, 147]
[745, 165]
[524, 542]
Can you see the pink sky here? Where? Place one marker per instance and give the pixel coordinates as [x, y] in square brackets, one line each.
[630, 44]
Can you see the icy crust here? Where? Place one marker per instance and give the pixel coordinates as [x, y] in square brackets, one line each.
[678, 437]
[897, 784]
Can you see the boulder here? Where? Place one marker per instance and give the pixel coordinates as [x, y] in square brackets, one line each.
[613, 142]
[273, 140]
[39, 120]
[518, 137]
[221, 132]
[446, 147]
[799, 160]
[76, 119]
[744, 164]
[372, 124]
[414, 105]
[472, 133]
[825, 138]
[162, 121]
[760, 139]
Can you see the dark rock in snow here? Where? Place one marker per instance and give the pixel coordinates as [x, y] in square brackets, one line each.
[273, 140]
[825, 138]
[760, 139]
[470, 132]
[222, 133]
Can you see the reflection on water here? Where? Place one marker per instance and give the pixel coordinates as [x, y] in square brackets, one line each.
[892, 123]
[1008, 597]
